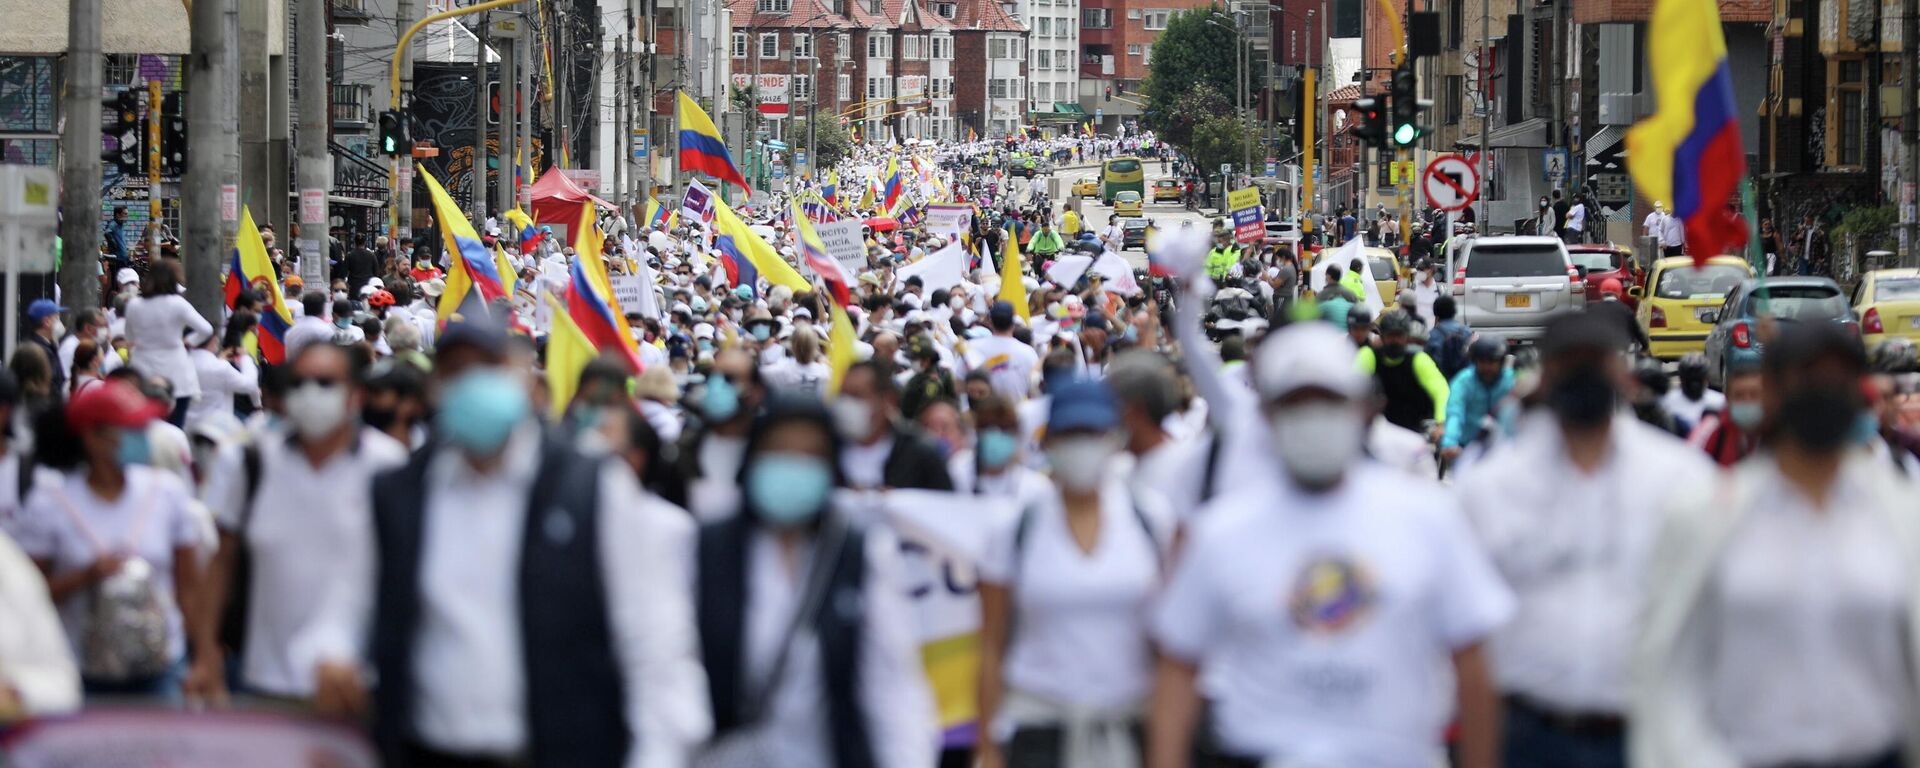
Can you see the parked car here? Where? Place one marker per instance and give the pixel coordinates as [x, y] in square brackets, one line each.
[1087, 187]
[1166, 191]
[1736, 337]
[1679, 301]
[1888, 304]
[1133, 233]
[1511, 285]
[1601, 262]
[1126, 203]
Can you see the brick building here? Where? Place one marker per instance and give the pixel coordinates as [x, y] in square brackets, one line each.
[1116, 42]
[989, 68]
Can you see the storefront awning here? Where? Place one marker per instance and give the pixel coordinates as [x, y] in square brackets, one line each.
[1069, 108]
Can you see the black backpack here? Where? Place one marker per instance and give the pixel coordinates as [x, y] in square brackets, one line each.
[1449, 349]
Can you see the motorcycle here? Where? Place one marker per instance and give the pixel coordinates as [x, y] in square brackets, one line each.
[1234, 310]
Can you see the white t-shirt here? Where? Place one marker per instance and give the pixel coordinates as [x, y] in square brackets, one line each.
[1688, 410]
[158, 500]
[1079, 624]
[1008, 362]
[1336, 613]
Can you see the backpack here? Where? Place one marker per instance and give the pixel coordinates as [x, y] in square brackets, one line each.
[127, 624]
[1447, 345]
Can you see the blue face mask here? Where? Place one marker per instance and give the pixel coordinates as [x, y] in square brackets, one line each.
[480, 410]
[762, 333]
[134, 448]
[787, 490]
[1746, 416]
[996, 447]
[720, 401]
[1866, 427]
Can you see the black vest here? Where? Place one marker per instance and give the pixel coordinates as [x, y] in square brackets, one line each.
[721, 605]
[575, 691]
[1408, 403]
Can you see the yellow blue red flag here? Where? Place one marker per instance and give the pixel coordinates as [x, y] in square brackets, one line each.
[1689, 152]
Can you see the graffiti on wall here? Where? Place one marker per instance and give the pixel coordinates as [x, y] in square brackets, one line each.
[445, 107]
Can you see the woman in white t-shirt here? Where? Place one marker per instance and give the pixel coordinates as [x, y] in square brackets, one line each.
[1065, 665]
[106, 522]
[160, 327]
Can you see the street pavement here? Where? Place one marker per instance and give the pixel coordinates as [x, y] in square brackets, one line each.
[1163, 215]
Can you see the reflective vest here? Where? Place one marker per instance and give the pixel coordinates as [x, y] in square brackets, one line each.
[1220, 261]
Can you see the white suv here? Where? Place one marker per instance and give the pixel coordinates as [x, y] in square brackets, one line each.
[1511, 285]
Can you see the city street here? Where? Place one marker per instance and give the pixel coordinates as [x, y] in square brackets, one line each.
[1162, 214]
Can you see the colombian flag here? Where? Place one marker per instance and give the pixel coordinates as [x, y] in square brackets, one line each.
[473, 267]
[658, 216]
[701, 148]
[750, 255]
[1689, 151]
[814, 251]
[830, 193]
[521, 227]
[590, 301]
[895, 188]
[251, 269]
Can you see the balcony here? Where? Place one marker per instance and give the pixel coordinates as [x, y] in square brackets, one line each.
[350, 11]
[353, 106]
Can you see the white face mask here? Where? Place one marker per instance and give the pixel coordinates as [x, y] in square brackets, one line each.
[852, 417]
[59, 329]
[316, 410]
[1316, 442]
[1079, 462]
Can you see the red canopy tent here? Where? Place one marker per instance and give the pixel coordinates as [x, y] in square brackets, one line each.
[557, 202]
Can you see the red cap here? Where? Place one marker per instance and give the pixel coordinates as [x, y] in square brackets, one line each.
[113, 404]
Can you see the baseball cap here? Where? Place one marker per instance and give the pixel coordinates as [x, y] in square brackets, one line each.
[1307, 356]
[111, 404]
[41, 309]
[1001, 313]
[1082, 405]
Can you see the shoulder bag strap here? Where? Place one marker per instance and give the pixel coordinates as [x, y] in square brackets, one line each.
[826, 555]
[80, 521]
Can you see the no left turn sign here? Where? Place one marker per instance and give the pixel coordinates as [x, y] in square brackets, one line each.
[1451, 183]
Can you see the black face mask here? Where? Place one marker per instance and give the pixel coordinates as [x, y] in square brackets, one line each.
[1582, 398]
[1391, 351]
[381, 419]
[1818, 418]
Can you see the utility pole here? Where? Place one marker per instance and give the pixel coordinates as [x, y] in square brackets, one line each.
[506, 191]
[1910, 132]
[80, 158]
[404, 16]
[644, 32]
[524, 113]
[212, 143]
[312, 166]
[481, 95]
[1486, 116]
[622, 158]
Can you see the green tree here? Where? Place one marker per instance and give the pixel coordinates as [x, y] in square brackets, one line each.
[1221, 139]
[830, 141]
[1191, 108]
[1195, 49]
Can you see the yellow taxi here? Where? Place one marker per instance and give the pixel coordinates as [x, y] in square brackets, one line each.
[1384, 268]
[1887, 301]
[1126, 203]
[1679, 304]
[1166, 191]
[1087, 187]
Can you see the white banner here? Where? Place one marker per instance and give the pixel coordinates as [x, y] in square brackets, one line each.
[949, 219]
[944, 269]
[770, 90]
[697, 202]
[842, 239]
[630, 290]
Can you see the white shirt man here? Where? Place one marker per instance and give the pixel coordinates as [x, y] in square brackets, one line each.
[1655, 224]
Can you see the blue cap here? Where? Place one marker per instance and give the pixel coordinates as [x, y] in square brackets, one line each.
[41, 309]
[1082, 405]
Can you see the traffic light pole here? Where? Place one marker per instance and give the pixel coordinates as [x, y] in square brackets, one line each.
[212, 143]
[80, 159]
[311, 167]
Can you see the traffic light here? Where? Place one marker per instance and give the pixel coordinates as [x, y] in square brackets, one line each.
[1371, 129]
[393, 133]
[173, 134]
[1407, 108]
[1109, 93]
[128, 133]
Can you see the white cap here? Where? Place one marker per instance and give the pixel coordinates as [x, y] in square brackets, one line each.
[376, 282]
[911, 300]
[801, 312]
[126, 275]
[1307, 356]
[703, 331]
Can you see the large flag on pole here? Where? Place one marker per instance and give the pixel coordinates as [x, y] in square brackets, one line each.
[472, 268]
[742, 243]
[568, 352]
[251, 269]
[701, 148]
[1012, 290]
[813, 251]
[1689, 151]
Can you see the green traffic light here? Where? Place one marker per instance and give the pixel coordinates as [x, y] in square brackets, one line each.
[1405, 134]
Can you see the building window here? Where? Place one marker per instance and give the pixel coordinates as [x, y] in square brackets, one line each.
[1156, 19]
[1455, 97]
[914, 47]
[1043, 27]
[1043, 59]
[1133, 49]
[1848, 131]
[1096, 18]
[122, 69]
[769, 45]
[945, 10]
[845, 84]
[942, 48]
[841, 45]
[1003, 88]
[879, 47]
[739, 45]
[997, 48]
[1133, 13]
[1456, 22]
[802, 88]
[773, 6]
[802, 45]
